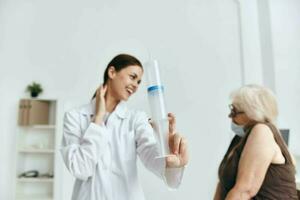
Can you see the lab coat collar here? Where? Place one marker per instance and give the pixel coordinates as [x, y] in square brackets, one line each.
[121, 110]
[90, 109]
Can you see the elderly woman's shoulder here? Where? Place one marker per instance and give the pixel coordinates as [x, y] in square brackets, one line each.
[262, 130]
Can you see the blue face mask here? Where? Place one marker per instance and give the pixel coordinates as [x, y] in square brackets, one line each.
[238, 129]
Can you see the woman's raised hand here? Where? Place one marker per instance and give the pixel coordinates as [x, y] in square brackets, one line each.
[100, 104]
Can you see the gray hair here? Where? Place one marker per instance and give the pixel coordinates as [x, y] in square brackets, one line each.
[258, 103]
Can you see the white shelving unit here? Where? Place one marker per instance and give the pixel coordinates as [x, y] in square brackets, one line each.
[35, 180]
[32, 150]
[35, 197]
[41, 127]
[36, 144]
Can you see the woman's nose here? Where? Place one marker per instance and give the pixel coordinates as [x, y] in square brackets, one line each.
[136, 85]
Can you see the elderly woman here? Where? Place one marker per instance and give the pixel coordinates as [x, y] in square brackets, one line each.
[257, 164]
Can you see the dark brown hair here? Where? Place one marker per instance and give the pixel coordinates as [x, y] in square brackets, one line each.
[120, 62]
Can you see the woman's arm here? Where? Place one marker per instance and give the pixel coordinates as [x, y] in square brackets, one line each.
[81, 151]
[218, 192]
[256, 157]
[293, 160]
[170, 170]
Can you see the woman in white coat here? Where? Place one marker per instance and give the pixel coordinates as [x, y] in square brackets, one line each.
[101, 140]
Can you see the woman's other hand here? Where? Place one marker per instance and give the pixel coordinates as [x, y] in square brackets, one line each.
[178, 146]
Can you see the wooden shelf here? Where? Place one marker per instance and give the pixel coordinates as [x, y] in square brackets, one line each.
[34, 197]
[31, 150]
[35, 180]
[39, 127]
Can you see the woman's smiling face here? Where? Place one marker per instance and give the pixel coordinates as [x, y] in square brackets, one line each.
[125, 82]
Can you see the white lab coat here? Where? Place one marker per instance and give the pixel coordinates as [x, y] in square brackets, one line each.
[102, 158]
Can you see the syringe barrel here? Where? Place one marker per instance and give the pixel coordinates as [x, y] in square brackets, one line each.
[157, 104]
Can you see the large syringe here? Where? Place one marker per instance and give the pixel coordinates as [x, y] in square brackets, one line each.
[157, 104]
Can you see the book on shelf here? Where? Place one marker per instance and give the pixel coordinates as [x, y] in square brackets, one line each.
[33, 112]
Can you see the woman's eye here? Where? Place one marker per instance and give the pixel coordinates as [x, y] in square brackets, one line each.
[131, 77]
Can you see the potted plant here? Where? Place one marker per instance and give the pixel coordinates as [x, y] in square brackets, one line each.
[35, 89]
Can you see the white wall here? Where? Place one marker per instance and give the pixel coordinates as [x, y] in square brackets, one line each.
[285, 23]
[65, 45]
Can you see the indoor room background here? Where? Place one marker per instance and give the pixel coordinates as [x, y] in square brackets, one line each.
[206, 49]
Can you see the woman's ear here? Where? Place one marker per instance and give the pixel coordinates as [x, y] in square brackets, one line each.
[111, 72]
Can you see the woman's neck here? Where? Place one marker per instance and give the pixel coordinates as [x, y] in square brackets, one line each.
[110, 101]
[250, 124]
